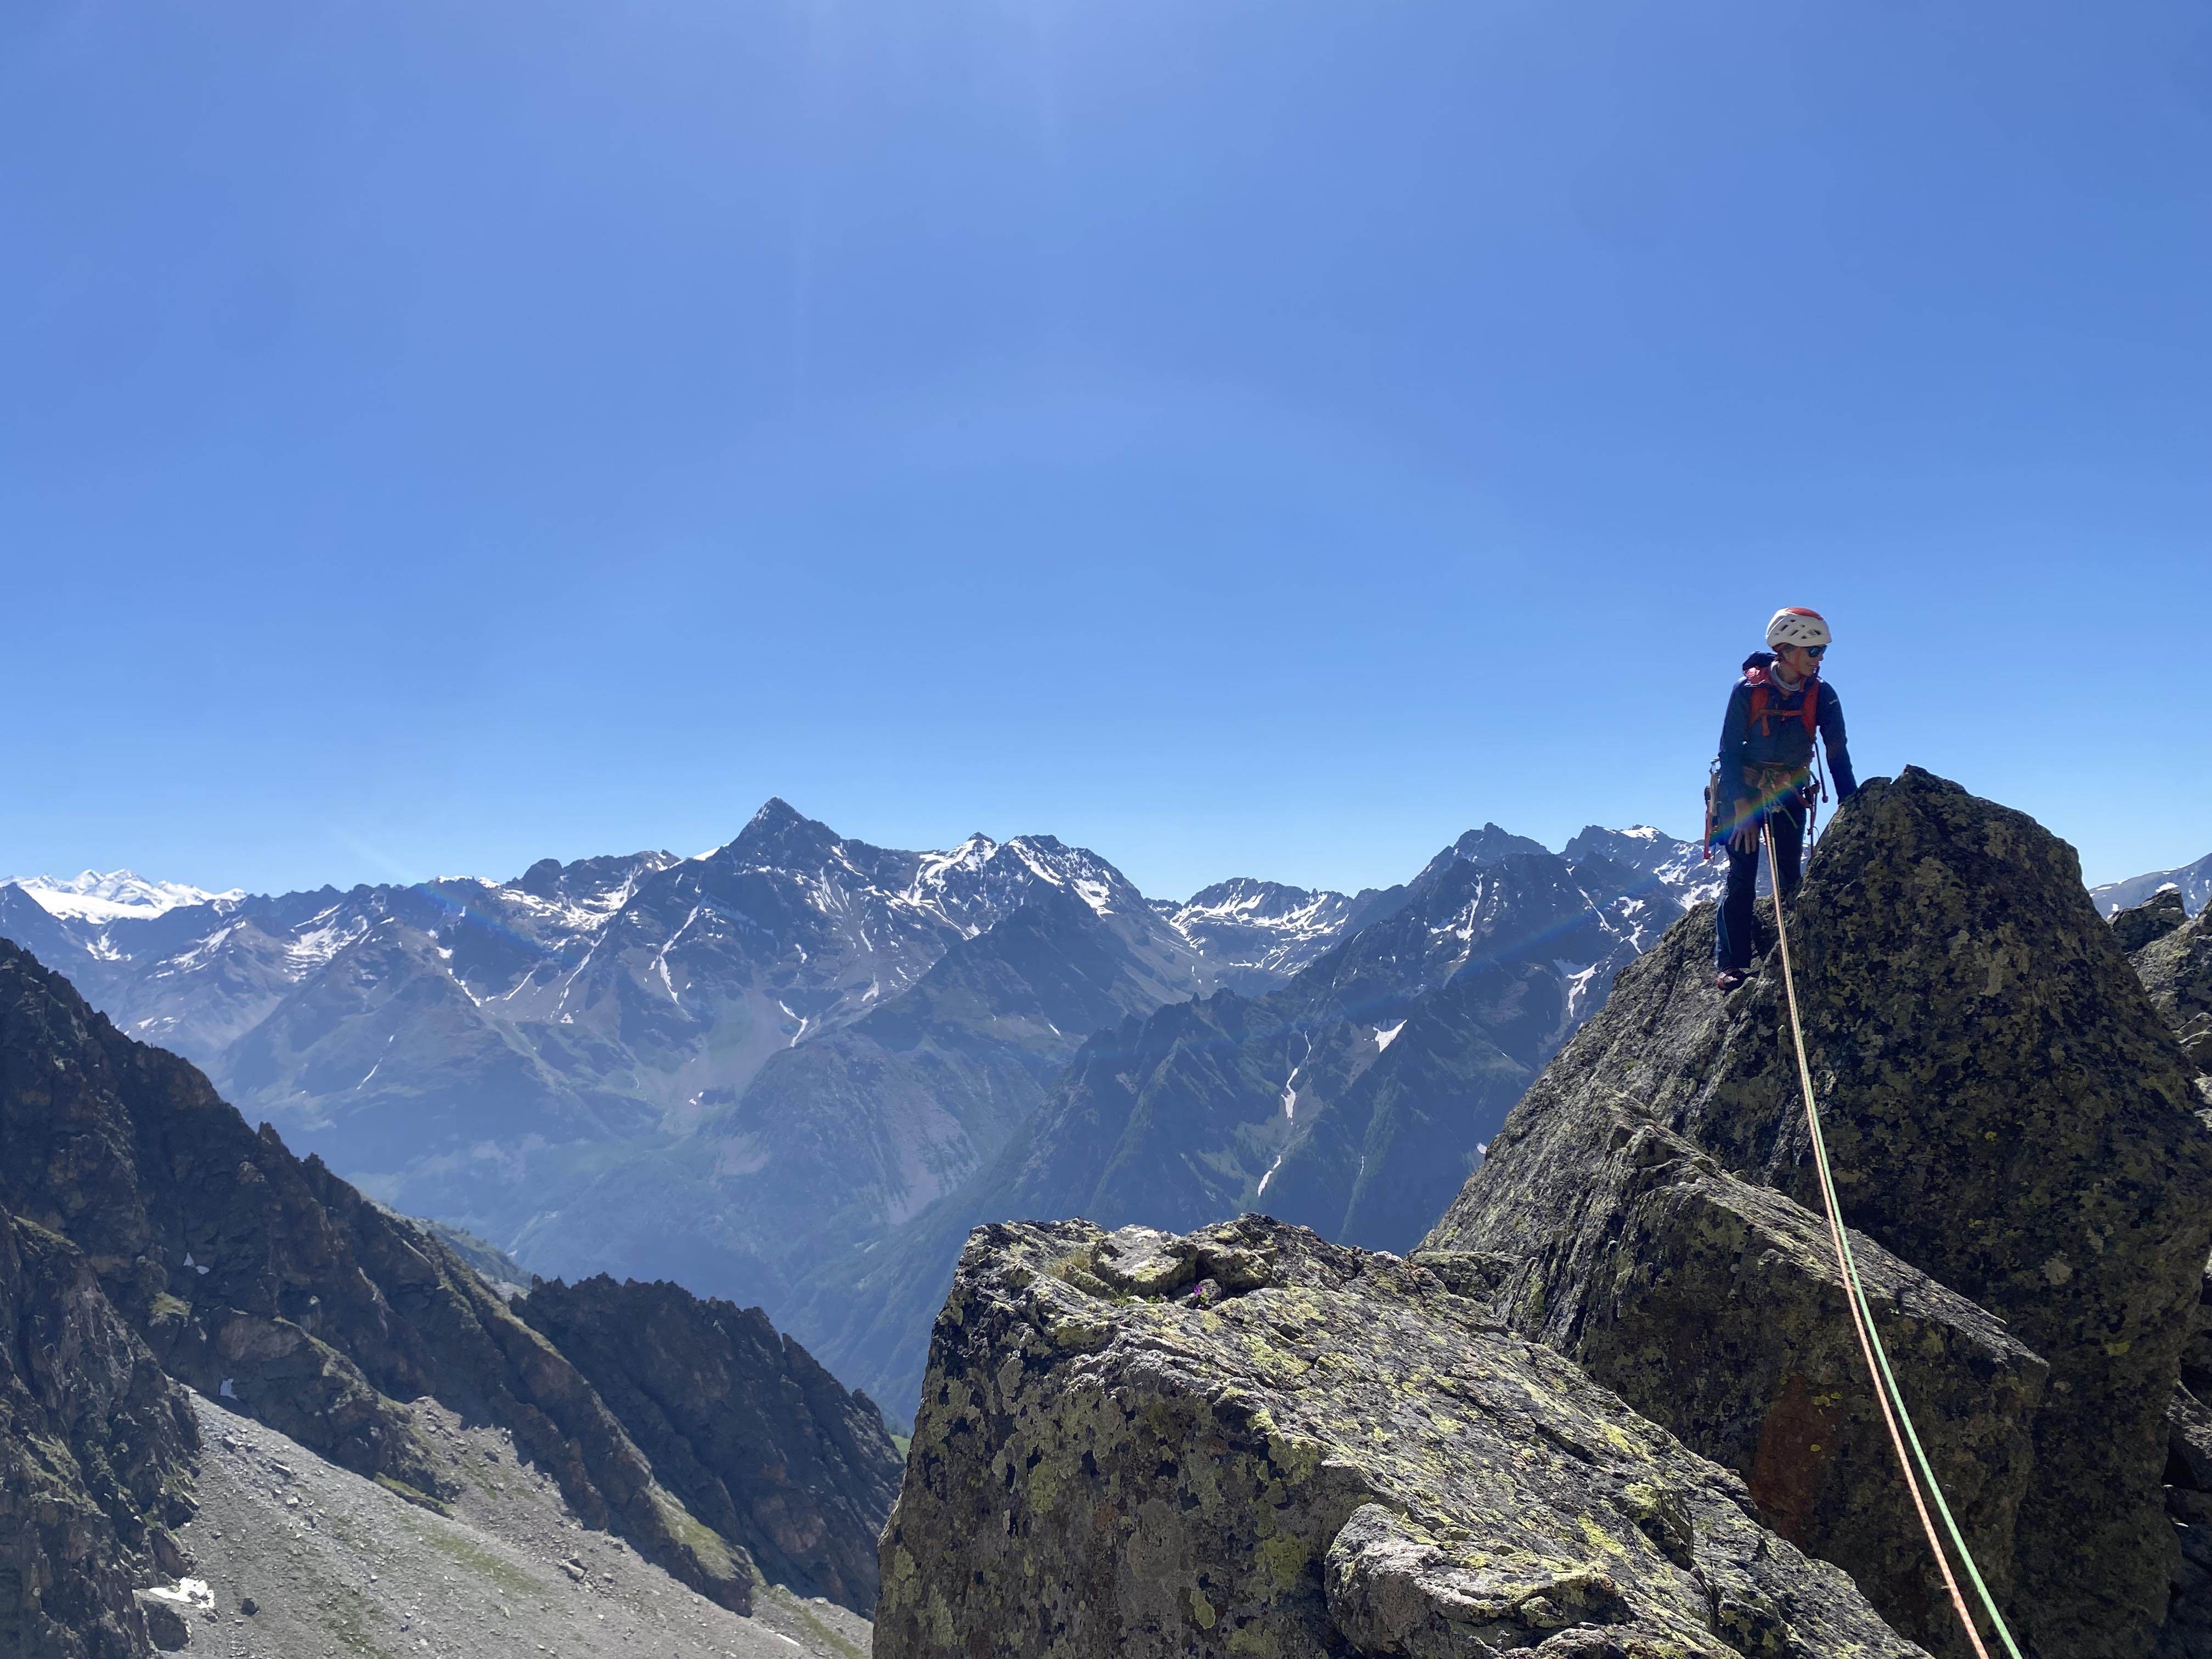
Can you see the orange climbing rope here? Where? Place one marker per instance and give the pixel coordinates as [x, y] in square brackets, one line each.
[1887, 1393]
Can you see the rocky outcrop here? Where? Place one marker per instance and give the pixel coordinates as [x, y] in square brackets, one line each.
[1714, 1305]
[269, 1283]
[759, 1440]
[2153, 918]
[2175, 964]
[1248, 1441]
[2006, 1114]
[2174, 957]
[95, 1449]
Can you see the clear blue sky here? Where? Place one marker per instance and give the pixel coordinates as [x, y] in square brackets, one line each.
[1239, 437]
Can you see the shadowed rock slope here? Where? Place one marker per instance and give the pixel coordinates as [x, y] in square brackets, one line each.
[2173, 956]
[1249, 1441]
[95, 1450]
[2010, 1123]
[759, 1442]
[153, 1239]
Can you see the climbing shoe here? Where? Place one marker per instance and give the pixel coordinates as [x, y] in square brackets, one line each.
[1728, 979]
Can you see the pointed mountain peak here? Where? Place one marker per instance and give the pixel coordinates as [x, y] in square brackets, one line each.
[1491, 843]
[781, 835]
[1479, 847]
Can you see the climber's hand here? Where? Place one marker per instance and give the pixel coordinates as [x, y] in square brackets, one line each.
[1745, 837]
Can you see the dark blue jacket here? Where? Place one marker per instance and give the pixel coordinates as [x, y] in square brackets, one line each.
[1782, 741]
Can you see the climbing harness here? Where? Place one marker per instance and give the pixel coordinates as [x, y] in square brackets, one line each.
[1887, 1393]
[1771, 785]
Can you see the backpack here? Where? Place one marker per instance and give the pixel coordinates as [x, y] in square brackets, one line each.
[1763, 688]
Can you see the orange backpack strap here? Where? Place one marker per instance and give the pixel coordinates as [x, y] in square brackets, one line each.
[1762, 688]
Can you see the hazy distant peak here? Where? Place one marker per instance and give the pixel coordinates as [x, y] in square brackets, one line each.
[92, 896]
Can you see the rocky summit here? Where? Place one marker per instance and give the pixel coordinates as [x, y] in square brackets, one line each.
[2013, 1131]
[1614, 1403]
[1248, 1441]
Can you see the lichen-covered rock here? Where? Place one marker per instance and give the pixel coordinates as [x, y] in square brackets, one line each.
[1248, 1441]
[2175, 966]
[95, 1450]
[2006, 1113]
[759, 1440]
[1715, 1307]
[2153, 918]
[266, 1282]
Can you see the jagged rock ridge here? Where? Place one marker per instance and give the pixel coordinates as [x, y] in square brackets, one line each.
[759, 1440]
[212, 1256]
[2006, 1115]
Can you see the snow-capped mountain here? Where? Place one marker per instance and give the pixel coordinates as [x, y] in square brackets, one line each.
[461, 1046]
[1678, 867]
[1354, 1097]
[1256, 933]
[116, 896]
[705, 1068]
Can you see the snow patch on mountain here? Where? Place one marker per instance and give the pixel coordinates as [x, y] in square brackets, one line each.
[1261, 928]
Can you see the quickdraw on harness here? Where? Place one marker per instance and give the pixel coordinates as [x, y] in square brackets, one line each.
[1887, 1394]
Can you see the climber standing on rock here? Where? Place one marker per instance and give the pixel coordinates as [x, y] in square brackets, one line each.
[1764, 777]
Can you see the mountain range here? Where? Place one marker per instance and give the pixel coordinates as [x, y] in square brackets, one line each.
[740, 1070]
[796, 1069]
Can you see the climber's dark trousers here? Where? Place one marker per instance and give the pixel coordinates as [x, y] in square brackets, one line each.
[1732, 940]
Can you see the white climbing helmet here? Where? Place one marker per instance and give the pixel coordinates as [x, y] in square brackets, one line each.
[1795, 625]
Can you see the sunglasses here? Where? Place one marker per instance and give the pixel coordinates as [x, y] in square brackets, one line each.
[1815, 652]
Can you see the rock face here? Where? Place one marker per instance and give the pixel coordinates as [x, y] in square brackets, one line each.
[2005, 1113]
[2174, 961]
[759, 1440]
[2153, 918]
[271, 1284]
[1713, 1305]
[95, 1450]
[1248, 1441]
